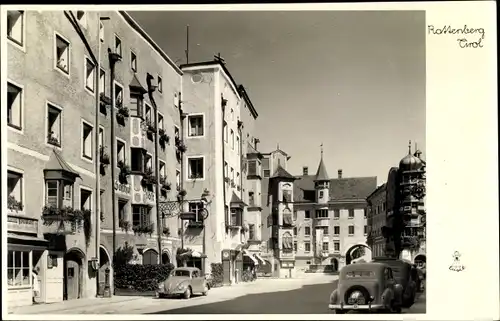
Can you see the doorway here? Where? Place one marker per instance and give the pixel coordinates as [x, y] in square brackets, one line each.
[165, 258]
[73, 273]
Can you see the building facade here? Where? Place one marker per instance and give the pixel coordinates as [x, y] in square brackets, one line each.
[331, 221]
[377, 217]
[54, 143]
[219, 120]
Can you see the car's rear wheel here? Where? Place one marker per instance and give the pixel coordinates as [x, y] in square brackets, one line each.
[187, 294]
[205, 290]
[357, 288]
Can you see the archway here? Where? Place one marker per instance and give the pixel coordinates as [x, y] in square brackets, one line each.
[165, 258]
[335, 264]
[420, 260]
[356, 251]
[104, 263]
[73, 274]
[150, 257]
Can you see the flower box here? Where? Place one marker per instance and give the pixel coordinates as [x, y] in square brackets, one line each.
[143, 229]
[148, 177]
[13, 204]
[104, 157]
[164, 139]
[124, 225]
[166, 231]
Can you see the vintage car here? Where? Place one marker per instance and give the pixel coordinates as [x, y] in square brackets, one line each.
[366, 287]
[183, 281]
[405, 275]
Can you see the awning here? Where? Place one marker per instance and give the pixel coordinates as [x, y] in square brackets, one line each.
[262, 261]
[194, 253]
[27, 241]
[247, 254]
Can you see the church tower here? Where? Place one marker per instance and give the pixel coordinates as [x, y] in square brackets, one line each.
[322, 182]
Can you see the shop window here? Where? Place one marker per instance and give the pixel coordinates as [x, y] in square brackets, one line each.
[18, 269]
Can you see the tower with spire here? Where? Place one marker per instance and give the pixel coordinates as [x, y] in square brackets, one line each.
[322, 182]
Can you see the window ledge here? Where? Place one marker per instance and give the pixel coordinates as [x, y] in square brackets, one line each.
[20, 287]
[16, 127]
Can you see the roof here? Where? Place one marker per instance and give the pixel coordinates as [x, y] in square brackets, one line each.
[282, 173]
[235, 200]
[321, 174]
[244, 93]
[349, 188]
[135, 85]
[212, 63]
[251, 149]
[150, 40]
[378, 189]
[57, 163]
[370, 266]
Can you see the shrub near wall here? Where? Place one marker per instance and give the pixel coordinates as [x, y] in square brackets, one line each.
[217, 275]
[141, 278]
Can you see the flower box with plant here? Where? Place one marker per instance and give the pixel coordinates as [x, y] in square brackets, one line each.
[238, 188]
[166, 231]
[143, 229]
[124, 172]
[61, 64]
[105, 100]
[148, 177]
[205, 193]
[52, 214]
[233, 184]
[164, 139]
[51, 139]
[13, 204]
[124, 225]
[227, 179]
[104, 156]
[181, 147]
[122, 111]
[164, 184]
[150, 127]
[102, 216]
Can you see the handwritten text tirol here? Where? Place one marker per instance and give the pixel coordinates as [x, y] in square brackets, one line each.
[476, 35]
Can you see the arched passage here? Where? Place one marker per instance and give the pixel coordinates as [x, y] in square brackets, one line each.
[165, 258]
[73, 274]
[104, 263]
[335, 264]
[150, 257]
[356, 251]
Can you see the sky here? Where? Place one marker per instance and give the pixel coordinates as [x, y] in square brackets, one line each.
[353, 81]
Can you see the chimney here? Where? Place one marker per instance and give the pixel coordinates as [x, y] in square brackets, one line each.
[255, 142]
[305, 171]
[340, 173]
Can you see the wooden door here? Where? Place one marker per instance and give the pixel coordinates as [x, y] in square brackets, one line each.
[72, 279]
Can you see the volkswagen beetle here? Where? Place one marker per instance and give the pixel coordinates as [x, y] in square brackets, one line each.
[183, 281]
[366, 287]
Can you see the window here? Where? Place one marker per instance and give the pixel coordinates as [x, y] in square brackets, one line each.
[89, 75]
[122, 210]
[62, 54]
[265, 167]
[321, 194]
[251, 199]
[140, 216]
[118, 45]
[236, 217]
[232, 139]
[58, 193]
[351, 213]
[14, 106]
[336, 246]
[295, 246]
[195, 168]
[294, 231]
[322, 213]
[307, 247]
[336, 230]
[351, 229]
[15, 191]
[252, 167]
[307, 231]
[54, 125]
[232, 174]
[226, 170]
[287, 242]
[287, 218]
[178, 179]
[237, 145]
[15, 26]
[307, 214]
[237, 178]
[120, 152]
[102, 82]
[133, 61]
[366, 229]
[101, 137]
[294, 215]
[176, 132]
[18, 269]
[162, 170]
[195, 123]
[101, 31]
[82, 18]
[324, 228]
[118, 96]
[148, 112]
[160, 122]
[336, 214]
[148, 162]
[136, 103]
[364, 212]
[232, 114]
[197, 208]
[160, 85]
[325, 246]
[87, 141]
[251, 231]
[85, 199]
[225, 131]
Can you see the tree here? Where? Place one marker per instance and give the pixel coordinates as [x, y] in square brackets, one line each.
[358, 252]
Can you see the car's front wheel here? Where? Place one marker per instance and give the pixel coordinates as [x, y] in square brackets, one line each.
[187, 294]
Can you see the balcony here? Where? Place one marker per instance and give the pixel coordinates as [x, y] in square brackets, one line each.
[22, 224]
[137, 136]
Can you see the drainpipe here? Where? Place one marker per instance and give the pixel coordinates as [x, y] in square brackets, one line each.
[159, 224]
[97, 155]
[113, 59]
[223, 105]
[181, 137]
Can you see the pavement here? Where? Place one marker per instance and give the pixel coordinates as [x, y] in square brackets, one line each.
[303, 295]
